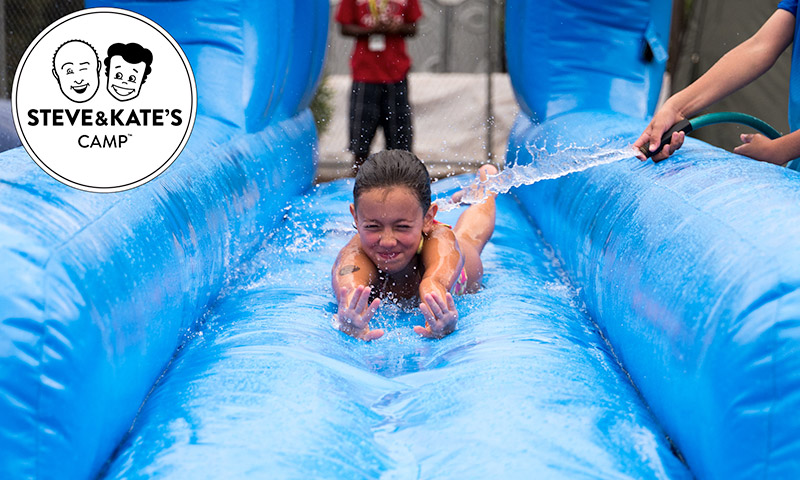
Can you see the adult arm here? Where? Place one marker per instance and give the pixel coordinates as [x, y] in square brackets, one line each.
[737, 68]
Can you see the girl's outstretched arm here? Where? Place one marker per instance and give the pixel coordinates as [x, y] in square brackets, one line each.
[351, 277]
[443, 263]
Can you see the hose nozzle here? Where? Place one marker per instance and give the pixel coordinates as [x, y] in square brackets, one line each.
[687, 126]
[683, 126]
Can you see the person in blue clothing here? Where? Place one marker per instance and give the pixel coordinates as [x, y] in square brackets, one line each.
[734, 70]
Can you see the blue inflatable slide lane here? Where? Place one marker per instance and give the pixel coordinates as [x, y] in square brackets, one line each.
[691, 267]
[637, 321]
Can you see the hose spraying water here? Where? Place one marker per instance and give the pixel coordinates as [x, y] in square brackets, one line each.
[546, 166]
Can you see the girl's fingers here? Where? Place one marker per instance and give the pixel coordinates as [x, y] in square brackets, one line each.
[425, 332]
[355, 297]
[434, 304]
[441, 302]
[426, 312]
[445, 302]
[375, 304]
[373, 334]
[428, 332]
[363, 299]
[371, 309]
[451, 303]
[343, 298]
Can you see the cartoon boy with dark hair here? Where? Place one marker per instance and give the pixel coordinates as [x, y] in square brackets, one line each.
[127, 67]
[76, 67]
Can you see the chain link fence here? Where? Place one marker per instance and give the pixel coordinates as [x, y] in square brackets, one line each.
[462, 100]
[454, 36]
[22, 20]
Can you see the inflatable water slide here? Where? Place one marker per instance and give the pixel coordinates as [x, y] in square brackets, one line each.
[637, 321]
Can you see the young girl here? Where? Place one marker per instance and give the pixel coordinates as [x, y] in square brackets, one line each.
[400, 249]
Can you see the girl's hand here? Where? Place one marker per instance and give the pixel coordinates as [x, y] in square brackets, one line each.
[440, 315]
[758, 147]
[354, 314]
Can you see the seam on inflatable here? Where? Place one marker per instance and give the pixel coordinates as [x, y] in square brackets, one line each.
[773, 384]
[42, 342]
[45, 332]
[593, 314]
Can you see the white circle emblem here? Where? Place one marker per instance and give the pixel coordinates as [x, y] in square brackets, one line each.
[104, 100]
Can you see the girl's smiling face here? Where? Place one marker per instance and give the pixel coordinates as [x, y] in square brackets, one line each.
[390, 223]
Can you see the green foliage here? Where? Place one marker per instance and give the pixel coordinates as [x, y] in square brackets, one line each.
[322, 106]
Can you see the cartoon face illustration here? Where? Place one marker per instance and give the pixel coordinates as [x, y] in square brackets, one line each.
[127, 67]
[77, 69]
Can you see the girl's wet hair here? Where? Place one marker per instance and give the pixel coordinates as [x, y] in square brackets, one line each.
[391, 168]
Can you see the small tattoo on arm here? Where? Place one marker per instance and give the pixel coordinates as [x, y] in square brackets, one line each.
[347, 269]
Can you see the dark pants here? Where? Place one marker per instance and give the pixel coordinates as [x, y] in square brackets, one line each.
[379, 104]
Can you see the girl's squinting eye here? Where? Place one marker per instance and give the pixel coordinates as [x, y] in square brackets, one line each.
[118, 76]
[132, 79]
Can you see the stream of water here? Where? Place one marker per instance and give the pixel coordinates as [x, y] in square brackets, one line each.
[545, 166]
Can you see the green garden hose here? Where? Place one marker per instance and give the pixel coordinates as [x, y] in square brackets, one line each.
[687, 126]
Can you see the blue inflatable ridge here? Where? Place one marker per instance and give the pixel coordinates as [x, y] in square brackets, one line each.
[689, 266]
[594, 56]
[99, 290]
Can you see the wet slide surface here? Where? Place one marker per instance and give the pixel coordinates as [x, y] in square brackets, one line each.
[265, 387]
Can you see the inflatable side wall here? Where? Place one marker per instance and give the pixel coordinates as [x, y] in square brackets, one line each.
[99, 289]
[571, 56]
[690, 265]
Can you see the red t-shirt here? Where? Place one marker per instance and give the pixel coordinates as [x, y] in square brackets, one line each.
[391, 64]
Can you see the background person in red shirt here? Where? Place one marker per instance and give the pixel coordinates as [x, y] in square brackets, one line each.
[379, 65]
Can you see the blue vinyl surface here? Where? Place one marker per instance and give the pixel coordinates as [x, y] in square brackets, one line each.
[701, 253]
[268, 388]
[97, 291]
[690, 267]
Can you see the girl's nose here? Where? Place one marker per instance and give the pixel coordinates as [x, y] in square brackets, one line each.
[387, 239]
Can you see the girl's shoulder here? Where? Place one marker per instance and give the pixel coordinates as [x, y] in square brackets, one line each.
[440, 226]
[441, 231]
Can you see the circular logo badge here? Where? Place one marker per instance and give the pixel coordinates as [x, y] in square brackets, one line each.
[104, 100]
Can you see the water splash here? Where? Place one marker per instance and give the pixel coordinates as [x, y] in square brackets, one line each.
[545, 166]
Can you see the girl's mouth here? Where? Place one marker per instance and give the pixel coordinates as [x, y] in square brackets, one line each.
[387, 256]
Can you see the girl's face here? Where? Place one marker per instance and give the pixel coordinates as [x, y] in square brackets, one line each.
[390, 223]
